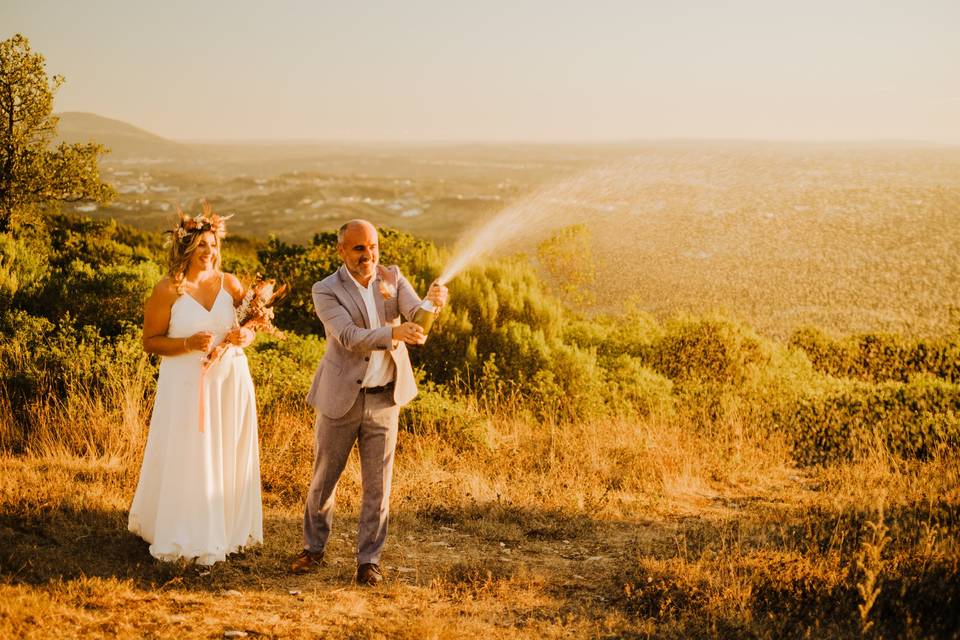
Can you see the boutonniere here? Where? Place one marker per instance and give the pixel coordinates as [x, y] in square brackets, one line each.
[386, 290]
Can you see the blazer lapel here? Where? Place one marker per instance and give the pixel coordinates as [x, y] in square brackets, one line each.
[379, 299]
[350, 286]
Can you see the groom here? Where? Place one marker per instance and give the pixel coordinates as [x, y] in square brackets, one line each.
[361, 383]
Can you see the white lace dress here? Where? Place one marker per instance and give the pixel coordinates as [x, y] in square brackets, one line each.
[199, 491]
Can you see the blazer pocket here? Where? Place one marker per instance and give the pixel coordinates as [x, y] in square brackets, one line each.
[330, 368]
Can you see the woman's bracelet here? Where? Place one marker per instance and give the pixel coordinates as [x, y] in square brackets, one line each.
[185, 345]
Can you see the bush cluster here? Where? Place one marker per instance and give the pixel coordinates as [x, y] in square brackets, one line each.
[880, 357]
[71, 299]
[912, 419]
[56, 368]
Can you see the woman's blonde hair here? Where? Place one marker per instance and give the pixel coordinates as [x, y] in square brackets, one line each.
[185, 238]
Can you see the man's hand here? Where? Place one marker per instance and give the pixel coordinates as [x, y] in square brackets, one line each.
[438, 294]
[409, 332]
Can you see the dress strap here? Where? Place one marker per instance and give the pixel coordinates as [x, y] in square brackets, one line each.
[222, 276]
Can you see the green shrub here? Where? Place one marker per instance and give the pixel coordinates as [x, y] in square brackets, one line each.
[579, 384]
[106, 297]
[909, 419]
[70, 310]
[879, 357]
[497, 308]
[708, 350]
[53, 367]
[632, 387]
[502, 318]
[456, 420]
[25, 338]
[101, 242]
[299, 267]
[24, 266]
[239, 256]
[633, 333]
[282, 370]
[62, 358]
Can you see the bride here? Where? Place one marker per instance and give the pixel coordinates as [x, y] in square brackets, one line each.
[198, 497]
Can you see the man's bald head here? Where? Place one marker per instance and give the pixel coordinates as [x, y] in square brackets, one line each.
[359, 248]
[353, 224]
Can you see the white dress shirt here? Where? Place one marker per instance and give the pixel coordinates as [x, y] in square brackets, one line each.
[380, 369]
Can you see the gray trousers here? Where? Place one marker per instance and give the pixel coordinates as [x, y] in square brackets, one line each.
[371, 421]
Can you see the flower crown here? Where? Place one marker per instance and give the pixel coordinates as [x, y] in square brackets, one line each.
[203, 222]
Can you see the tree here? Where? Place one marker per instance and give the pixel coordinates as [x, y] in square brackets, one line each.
[32, 172]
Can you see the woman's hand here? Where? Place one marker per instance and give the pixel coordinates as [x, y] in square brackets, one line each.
[240, 337]
[201, 341]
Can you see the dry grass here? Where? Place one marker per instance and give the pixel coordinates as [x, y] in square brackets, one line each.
[619, 528]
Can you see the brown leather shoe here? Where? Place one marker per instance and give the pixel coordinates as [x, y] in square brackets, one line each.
[369, 574]
[307, 561]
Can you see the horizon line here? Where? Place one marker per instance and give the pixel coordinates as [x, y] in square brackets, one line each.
[626, 141]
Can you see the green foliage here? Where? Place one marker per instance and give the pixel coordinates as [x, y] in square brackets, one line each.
[506, 333]
[108, 297]
[632, 387]
[879, 357]
[45, 364]
[54, 358]
[911, 419]
[708, 350]
[97, 272]
[25, 338]
[71, 299]
[282, 369]
[31, 172]
[569, 386]
[499, 308]
[239, 257]
[634, 333]
[100, 242]
[419, 260]
[456, 420]
[299, 267]
[23, 267]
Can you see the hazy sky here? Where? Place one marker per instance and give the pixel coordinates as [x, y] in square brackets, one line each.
[437, 70]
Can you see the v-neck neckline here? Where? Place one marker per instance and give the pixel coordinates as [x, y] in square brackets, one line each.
[200, 304]
[215, 298]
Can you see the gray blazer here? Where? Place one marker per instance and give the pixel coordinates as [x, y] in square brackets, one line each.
[340, 308]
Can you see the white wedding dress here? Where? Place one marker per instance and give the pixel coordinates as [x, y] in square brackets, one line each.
[199, 491]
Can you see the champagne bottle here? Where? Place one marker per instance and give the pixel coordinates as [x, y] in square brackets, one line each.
[425, 315]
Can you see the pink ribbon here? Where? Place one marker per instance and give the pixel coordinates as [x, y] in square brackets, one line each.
[203, 375]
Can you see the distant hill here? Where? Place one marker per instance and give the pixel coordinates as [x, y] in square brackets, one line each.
[124, 140]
